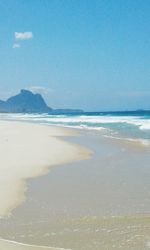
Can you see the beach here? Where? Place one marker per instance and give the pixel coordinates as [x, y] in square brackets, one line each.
[74, 125]
[97, 196]
[27, 151]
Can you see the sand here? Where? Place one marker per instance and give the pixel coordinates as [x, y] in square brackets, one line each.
[26, 151]
[10, 245]
[102, 203]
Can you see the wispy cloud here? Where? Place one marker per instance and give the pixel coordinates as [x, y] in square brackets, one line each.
[40, 89]
[23, 35]
[16, 46]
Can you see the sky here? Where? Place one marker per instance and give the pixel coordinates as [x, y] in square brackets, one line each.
[88, 54]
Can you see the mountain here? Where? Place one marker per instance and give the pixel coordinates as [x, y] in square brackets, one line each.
[27, 102]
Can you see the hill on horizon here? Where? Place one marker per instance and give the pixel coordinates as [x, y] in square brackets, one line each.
[28, 102]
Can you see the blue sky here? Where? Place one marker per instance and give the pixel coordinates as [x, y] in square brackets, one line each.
[85, 54]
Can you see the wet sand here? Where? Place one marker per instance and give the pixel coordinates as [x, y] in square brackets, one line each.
[27, 151]
[102, 203]
[10, 245]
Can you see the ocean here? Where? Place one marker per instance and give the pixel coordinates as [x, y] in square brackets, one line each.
[120, 125]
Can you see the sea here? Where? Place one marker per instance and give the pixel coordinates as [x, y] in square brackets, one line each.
[128, 125]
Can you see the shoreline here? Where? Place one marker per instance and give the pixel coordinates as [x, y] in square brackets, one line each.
[28, 151]
[98, 197]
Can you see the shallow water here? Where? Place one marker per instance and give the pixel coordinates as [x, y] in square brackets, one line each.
[101, 203]
[131, 125]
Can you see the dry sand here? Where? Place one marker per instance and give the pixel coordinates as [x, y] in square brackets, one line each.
[26, 151]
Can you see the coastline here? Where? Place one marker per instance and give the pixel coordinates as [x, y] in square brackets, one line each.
[27, 151]
[95, 204]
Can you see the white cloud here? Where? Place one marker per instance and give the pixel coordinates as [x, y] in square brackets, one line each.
[23, 35]
[16, 46]
[40, 89]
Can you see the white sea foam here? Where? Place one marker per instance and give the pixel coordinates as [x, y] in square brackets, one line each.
[144, 142]
[145, 125]
[83, 121]
[72, 119]
[83, 127]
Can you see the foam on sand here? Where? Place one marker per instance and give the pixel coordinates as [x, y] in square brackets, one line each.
[13, 245]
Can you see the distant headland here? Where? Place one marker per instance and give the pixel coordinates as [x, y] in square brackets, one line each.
[28, 102]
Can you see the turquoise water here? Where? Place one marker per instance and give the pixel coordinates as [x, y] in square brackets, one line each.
[131, 125]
